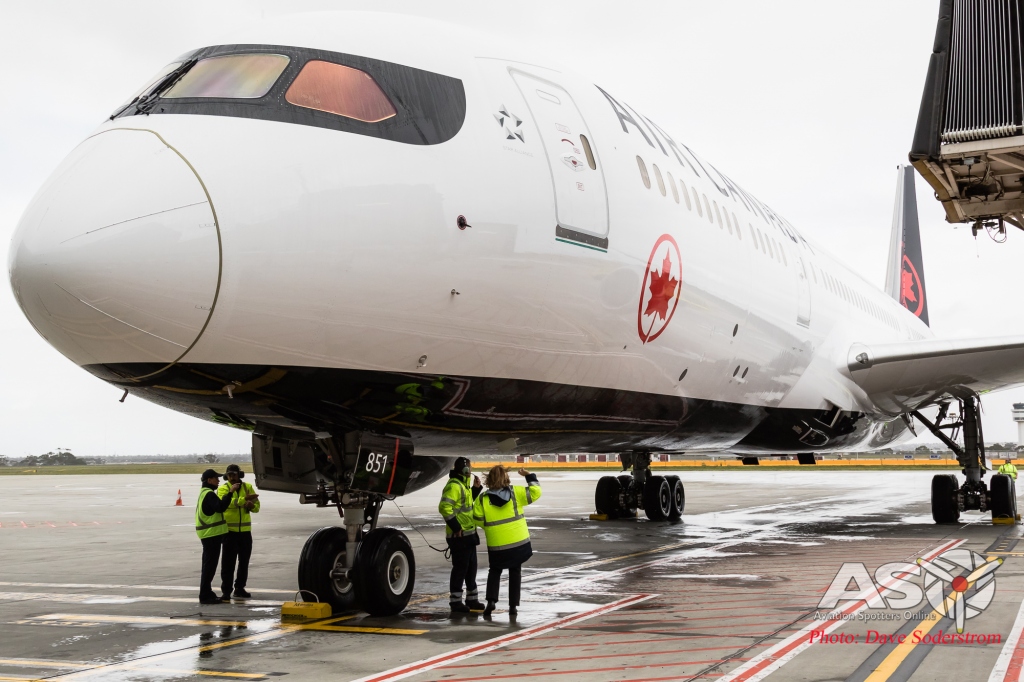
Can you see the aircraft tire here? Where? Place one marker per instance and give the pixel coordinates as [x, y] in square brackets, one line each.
[323, 552]
[678, 496]
[944, 503]
[657, 498]
[1001, 491]
[625, 480]
[385, 572]
[606, 496]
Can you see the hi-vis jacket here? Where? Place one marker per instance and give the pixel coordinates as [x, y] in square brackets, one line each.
[208, 525]
[502, 514]
[1008, 469]
[236, 515]
[456, 505]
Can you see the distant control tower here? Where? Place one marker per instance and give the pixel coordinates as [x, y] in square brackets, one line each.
[1018, 416]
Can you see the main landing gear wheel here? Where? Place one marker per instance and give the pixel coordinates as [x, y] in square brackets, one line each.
[657, 498]
[1003, 497]
[322, 557]
[385, 572]
[678, 494]
[627, 501]
[606, 497]
[945, 506]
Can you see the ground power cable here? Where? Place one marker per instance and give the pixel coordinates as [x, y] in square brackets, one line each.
[447, 551]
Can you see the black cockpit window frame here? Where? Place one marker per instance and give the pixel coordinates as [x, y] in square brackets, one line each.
[431, 107]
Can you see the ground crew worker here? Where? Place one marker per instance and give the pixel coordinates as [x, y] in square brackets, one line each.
[238, 541]
[211, 529]
[460, 532]
[502, 513]
[1008, 469]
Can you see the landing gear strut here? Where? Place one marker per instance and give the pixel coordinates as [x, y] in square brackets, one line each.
[948, 497]
[662, 497]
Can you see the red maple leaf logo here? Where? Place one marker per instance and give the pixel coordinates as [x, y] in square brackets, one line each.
[907, 286]
[663, 287]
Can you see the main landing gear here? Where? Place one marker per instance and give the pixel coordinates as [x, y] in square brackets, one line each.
[360, 565]
[661, 497]
[949, 498]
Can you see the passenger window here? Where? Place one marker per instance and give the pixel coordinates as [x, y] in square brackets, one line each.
[707, 208]
[771, 254]
[341, 90]
[643, 172]
[686, 194]
[238, 76]
[718, 215]
[589, 152]
[783, 252]
[661, 181]
[753, 235]
[672, 184]
[696, 200]
[739, 232]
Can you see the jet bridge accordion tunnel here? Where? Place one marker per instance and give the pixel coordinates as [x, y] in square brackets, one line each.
[969, 141]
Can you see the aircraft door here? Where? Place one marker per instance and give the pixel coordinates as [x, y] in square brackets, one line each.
[803, 313]
[581, 198]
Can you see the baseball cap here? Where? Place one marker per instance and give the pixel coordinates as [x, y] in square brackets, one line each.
[210, 473]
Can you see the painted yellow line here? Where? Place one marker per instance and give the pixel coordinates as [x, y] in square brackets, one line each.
[355, 628]
[891, 662]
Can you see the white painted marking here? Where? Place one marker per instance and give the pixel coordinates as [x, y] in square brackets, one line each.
[1001, 670]
[97, 586]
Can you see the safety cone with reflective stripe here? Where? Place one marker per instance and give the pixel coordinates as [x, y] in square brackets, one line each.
[179, 503]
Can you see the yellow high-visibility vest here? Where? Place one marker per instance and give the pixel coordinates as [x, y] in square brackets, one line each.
[505, 526]
[236, 515]
[457, 503]
[208, 526]
[1010, 470]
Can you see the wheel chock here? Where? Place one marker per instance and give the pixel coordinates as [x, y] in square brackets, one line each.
[1006, 521]
[305, 610]
[598, 517]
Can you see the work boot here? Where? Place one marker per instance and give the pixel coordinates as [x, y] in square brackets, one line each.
[458, 607]
[209, 599]
[225, 597]
[489, 609]
[513, 611]
[475, 605]
[240, 593]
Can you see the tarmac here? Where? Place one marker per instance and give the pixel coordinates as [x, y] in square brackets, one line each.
[98, 580]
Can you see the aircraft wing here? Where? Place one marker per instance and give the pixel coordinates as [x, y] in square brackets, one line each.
[899, 377]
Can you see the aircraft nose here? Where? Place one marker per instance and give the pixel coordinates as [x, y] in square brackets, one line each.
[117, 258]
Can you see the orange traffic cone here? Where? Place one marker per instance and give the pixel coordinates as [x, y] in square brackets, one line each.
[179, 503]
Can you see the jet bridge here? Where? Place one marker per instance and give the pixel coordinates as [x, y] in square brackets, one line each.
[969, 141]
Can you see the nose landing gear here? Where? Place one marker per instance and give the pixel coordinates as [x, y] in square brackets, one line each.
[662, 497]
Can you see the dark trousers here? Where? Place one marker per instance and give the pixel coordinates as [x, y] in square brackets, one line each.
[463, 571]
[515, 583]
[237, 546]
[211, 554]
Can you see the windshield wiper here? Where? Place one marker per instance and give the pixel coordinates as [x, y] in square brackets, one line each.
[146, 101]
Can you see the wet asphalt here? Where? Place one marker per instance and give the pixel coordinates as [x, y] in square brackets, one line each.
[98, 580]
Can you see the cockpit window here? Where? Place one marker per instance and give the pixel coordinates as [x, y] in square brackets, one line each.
[236, 76]
[310, 87]
[153, 81]
[342, 90]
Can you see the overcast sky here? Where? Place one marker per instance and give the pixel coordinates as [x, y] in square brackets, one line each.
[808, 105]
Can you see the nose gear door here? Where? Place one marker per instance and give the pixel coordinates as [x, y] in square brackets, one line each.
[581, 198]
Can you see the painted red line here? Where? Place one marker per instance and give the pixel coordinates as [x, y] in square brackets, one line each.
[394, 467]
[498, 642]
[768, 661]
[50, 524]
[626, 654]
[24, 525]
[645, 641]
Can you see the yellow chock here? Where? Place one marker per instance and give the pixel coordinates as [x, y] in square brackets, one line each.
[305, 610]
[598, 517]
[1006, 521]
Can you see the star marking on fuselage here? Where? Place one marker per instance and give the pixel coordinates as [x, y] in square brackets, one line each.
[510, 122]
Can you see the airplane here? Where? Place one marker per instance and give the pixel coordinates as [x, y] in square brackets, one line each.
[378, 243]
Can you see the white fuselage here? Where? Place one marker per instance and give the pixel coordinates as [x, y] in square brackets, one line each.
[338, 250]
